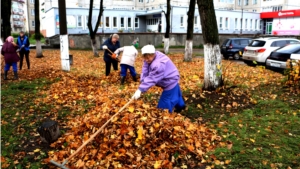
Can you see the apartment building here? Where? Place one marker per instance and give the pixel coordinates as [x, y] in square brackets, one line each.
[18, 15]
[266, 5]
[30, 16]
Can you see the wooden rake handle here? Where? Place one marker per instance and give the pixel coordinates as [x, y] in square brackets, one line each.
[109, 51]
[97, 132]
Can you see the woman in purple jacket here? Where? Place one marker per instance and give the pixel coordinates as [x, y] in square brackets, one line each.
[10, 56]
[159, 70]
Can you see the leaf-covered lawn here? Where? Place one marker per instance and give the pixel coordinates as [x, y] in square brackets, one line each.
[253, 122]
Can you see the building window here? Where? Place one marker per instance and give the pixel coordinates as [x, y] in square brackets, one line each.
[147, 1]
[115, 22]
[32, 12]
[107, 22]
[246, 2]
[122, 22]
[239, 2]
[280, 8]
[181, 20]
[136, 22]
[196, 21]
[33, 23]
[79, 21]
[129, 22]
[246, 24]
[251, 24]
[256, 27]
[226, 23]
[32, 1]
[236, 23]
[141, 1]
[254, 2]
[220, 24]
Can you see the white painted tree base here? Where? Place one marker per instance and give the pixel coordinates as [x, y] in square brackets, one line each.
[212, 67]
[188, 55]
[94, 47]
[64, 52]
[38, 46]
[166, 45]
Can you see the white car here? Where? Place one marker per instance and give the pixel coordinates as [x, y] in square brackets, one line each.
[259, 49]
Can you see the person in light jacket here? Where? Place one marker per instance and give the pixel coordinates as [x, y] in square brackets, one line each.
[159, 70]
[127, 61]
[9, 51]
[112, 44]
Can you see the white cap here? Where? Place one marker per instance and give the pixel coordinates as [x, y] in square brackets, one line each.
[148, 49]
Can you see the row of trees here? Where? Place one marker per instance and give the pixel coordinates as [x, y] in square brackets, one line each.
[212, 56]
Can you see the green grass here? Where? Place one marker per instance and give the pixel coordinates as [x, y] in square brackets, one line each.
[264, 136]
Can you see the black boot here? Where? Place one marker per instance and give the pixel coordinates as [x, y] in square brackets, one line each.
[134, 78]
[123, 79]
[16, 75]
[5, 75]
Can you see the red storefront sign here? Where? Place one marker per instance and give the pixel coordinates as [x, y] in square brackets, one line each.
[280, 14]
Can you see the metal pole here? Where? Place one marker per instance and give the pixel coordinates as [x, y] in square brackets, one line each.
[242, 19]
[64, 41]
[171, 18]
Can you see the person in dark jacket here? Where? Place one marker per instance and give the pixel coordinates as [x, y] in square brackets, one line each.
[112, 44]
[9, 51]
[23, 43]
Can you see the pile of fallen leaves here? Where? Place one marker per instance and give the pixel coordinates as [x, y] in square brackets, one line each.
[140, 137]
[293, 74]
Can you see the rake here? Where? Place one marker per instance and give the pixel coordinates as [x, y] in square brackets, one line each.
[62, 165]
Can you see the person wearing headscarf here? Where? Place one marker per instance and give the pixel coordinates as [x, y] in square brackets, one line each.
[11, 58]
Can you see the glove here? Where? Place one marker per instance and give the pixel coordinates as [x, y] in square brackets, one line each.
[137, 94]
[114, 56]
[104, 47]
[18, 50]
[22, 46]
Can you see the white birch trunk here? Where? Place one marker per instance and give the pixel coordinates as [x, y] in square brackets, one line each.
[38, 46]
[64, 52]
[166, 45]
[188, 55]
[212, 67]
[94, 47]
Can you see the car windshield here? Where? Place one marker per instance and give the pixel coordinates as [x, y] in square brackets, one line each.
[257, 43]
[289, 49]
[225, 42]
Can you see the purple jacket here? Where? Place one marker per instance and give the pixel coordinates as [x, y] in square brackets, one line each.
[9, 53]
[161, 72]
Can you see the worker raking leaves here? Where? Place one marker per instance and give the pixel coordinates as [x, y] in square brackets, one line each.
[159, 70]
[127, 61]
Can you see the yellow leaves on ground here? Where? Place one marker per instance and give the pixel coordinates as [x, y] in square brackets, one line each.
[131, 109]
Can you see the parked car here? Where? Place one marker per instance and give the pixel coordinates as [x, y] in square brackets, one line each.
[259, 49]
[278, 58]
[234, 47]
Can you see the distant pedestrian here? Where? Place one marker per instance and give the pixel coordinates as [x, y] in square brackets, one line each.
[10, 57]
[23, 43]
[112, 44]
[127, 61]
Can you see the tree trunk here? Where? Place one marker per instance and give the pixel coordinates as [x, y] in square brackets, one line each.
[49, 131]
[212, 55]
[166, 45]
[64, 41]
[190, 31]
[5, 16]
[167, 33]
[94, 31]
[94, 46]
[39, 52]
[188, 54]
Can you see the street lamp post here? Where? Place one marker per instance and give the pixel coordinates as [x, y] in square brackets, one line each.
[241, 31]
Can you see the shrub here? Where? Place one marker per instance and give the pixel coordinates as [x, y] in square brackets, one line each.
[33, 36]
